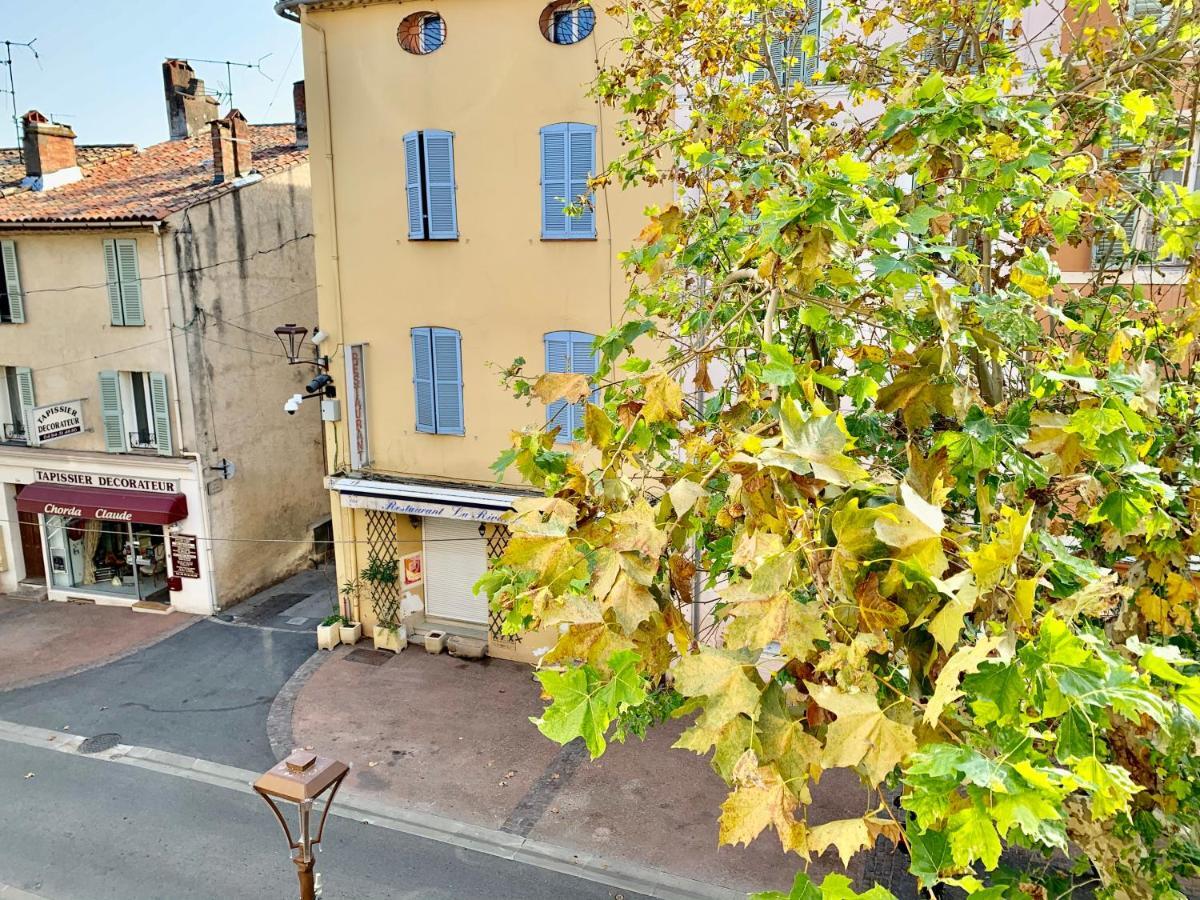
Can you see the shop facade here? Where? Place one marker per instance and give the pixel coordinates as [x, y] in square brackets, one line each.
[443, 538]
[114, 531]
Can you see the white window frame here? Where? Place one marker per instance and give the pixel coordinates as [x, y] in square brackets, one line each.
[129, 410]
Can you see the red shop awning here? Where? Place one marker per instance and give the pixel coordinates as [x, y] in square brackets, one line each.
[102, 503]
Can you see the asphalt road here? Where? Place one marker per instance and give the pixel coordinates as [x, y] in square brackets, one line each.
[91, 829]
[205, 692]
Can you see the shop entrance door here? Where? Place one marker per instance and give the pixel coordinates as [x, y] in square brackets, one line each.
[31, 543]
[31, 546]
[149, 559]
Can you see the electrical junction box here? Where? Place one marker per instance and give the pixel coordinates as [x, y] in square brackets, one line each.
[331, 410]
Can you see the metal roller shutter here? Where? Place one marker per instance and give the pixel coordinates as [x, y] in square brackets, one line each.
[455, 558]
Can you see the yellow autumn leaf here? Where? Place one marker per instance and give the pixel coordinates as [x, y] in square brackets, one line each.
[720, 676]
[947, 624]
[991, 561]
[555, 386]
[848, 836]
[780, 618]
[863, 734]
[761, 798]
[663, 399]
[965, 661]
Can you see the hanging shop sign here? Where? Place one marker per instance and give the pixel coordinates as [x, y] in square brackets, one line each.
[356, 405]
[117, 482]
[405, 507]
[185, 556]
[50, 423]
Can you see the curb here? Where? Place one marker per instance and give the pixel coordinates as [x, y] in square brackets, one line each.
[279, 716]
[370, 811]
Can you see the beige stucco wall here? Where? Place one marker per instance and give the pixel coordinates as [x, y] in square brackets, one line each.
[494, 83]
[67, 337]
[239, 266]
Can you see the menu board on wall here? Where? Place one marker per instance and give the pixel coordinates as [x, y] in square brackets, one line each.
[185, 558]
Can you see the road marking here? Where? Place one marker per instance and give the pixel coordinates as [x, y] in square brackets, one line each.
[8, 892]
[371, 811]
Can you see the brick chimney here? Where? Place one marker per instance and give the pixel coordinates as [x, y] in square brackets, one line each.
[189, 109]
[232, 147]
[301, 114]
[49, 150]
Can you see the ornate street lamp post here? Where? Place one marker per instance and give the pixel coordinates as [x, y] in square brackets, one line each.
[301, 779]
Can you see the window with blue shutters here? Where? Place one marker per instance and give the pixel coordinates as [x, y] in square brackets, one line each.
[793, 57]
[568, 162]
[437, 380]
[570, 351]
[430, 186]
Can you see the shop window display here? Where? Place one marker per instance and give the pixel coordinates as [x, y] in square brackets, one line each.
[116, 558]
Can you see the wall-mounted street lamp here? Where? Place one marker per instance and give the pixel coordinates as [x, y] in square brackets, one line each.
[291, 336]
[302, 779]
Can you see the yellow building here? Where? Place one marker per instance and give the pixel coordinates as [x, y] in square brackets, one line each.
[446, 138]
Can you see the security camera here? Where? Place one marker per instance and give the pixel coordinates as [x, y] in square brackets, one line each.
[319, 383]
[292, 404]
[319, 337]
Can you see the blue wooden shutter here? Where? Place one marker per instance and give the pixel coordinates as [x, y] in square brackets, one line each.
[110, 412]
[412, 186]
[131, 282]
[554, 181]
[584, 361]
[806, 66]
[433, 33]
[12, 281]
[447, 381]
[422, 352]
[1108, 251]
[558, 359]
[112, 276]
[439, 185]
[24, 392]
[160, 413]
[581, 150]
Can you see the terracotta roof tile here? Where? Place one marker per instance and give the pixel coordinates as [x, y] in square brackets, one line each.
[146, 185]
[12, 169]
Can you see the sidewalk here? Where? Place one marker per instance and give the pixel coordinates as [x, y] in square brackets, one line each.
[41, 640]
[453, 738]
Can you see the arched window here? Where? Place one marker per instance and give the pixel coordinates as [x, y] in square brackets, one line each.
[421, 32]
[567, 21]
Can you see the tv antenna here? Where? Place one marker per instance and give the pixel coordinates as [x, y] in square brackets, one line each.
[12, 86]
[230, 65]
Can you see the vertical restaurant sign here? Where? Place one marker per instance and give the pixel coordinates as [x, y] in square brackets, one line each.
[49, 423]
[185, 557]
[356, 405]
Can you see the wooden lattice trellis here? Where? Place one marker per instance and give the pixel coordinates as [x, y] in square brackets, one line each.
[498, 537]
[383, 545]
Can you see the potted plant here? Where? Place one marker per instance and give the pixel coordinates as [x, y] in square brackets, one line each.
[329, 632]
[383, 575]
[349, 630]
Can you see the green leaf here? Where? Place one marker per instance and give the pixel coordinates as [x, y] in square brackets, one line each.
[584, 703]
[930, 854]
[780, 368]
[973, 836]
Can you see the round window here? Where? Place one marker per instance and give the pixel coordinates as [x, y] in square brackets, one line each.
[567, 21]
[421, 32]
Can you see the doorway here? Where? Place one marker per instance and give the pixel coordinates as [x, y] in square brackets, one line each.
[31, 545]
[455, 558]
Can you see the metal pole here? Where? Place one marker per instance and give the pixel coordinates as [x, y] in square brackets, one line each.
[304, 858]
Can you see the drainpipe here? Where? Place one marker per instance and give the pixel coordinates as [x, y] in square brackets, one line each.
[177, 417]
[298, 13]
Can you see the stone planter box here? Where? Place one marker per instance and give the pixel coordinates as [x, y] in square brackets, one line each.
[351, 633]
[394, 639]
[328, 636]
